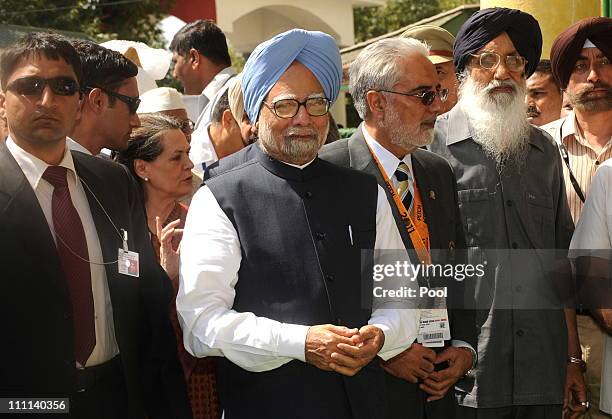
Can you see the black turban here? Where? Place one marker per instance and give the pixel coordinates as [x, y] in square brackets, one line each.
[487, 24]
[567, 46]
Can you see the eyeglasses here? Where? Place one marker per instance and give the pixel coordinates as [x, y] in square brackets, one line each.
[288, 108]
[490, 61]
[427, 97]
[34, 86]
[132, 102]
[187, 126]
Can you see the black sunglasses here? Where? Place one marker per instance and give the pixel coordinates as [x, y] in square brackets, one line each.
[34, 86]
[132, 102]
[427, 97]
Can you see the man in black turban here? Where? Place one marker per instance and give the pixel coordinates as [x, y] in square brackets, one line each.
[487, 24]
[512, 201]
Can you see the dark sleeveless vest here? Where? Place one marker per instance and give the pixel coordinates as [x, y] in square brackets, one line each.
[299, 266]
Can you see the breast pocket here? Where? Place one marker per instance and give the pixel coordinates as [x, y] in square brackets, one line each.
[541, 219]
[475, 208]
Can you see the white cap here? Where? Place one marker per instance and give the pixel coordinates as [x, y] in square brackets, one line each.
[160, 99]
[153, 63]
[588, 44]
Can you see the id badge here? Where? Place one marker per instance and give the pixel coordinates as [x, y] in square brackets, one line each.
[128, 263]
[433, 327]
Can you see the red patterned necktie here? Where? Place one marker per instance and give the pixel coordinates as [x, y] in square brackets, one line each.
[70, 238]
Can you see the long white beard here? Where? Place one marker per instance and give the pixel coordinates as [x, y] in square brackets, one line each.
[499, 121]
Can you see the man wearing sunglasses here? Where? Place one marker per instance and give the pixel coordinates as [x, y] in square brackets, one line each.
[512, 202]
[110, 100]
[75, 325]
[397, 93]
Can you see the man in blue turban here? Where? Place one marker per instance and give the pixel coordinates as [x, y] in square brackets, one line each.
[513, 205]
[270, 256]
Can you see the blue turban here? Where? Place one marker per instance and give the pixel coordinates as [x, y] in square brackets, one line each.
[316, 50]
[487, 24]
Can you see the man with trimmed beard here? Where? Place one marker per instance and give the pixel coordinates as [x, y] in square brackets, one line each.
[580, 58]
[277, 291]
[397, 93]
[512, 199]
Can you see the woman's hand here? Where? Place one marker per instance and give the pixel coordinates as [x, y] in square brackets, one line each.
[168, 257]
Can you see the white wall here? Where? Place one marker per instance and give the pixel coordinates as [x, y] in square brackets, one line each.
[246, 23]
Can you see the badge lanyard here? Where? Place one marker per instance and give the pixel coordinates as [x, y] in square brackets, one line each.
[127, 261]
[433, 325]
[416, 239]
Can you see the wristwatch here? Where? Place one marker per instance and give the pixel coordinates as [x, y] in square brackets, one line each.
[469, 373]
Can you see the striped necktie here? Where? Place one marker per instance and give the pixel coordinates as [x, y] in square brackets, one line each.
[73, 255]
[404, 185]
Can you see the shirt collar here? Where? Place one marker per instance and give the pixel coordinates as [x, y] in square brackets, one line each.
[73, 145]
[217, 82]
[458, 127]
[569, 128]
[33, 167]
[388, 160]
[298, 166]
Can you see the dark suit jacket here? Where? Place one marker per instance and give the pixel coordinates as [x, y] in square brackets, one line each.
[37, 356]
[436, 184]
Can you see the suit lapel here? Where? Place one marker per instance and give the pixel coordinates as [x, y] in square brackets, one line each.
[361, 159]
[428, 197]
[107, 235]
[22, 208]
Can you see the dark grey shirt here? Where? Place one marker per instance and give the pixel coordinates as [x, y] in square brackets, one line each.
[522, 350]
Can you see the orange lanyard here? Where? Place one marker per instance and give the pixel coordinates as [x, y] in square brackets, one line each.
[415, 237]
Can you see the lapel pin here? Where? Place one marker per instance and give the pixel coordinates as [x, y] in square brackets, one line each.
[432, 194]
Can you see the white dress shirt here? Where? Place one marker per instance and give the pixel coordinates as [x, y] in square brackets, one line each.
[202, 152]
[388, 160]
[389, 163]
[210, 260]
[196, 104]
[593, 236]
[33, 168]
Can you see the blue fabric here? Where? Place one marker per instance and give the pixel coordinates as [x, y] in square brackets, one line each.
[487, 24]
[316, 50]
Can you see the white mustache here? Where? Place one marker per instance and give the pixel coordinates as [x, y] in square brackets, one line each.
[296, 132]
[499, 83]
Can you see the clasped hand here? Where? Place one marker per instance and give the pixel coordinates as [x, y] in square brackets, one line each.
[417, 363]
[343, 350]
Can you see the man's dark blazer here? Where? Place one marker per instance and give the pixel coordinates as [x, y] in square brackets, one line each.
[436, 183]
[37, 355]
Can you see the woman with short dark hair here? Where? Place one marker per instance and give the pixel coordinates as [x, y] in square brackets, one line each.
[158, 158]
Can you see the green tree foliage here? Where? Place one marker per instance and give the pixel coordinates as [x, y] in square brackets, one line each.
[375, 21]
[238, 60]
[102, 20]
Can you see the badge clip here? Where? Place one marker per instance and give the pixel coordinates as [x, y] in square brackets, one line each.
[128, 261]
